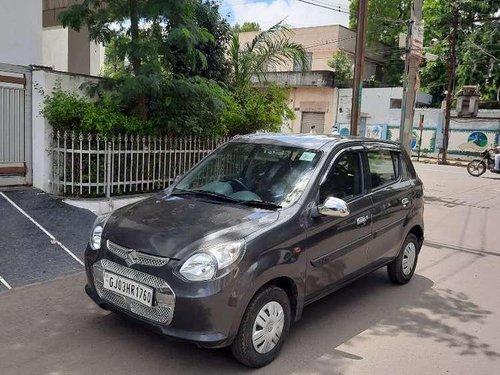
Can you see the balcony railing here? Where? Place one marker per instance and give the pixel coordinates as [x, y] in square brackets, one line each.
[318, 78]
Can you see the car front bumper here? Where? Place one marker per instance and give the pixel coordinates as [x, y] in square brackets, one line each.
[204, 313]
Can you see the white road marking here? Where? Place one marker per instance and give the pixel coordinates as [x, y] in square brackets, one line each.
[53, 239]
[4, 282]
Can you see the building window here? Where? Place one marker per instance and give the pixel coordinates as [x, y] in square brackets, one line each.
[297, 65]
[395, 104]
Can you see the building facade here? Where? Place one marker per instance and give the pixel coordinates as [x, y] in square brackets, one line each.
[30, 34]
[313, 95]
[65, 49]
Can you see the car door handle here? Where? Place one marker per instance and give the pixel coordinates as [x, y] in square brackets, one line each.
[405, 202]
[362, 220]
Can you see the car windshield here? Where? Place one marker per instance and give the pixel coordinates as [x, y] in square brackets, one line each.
[270, 176]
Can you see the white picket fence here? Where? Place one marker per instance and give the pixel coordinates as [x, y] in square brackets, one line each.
[90, 165]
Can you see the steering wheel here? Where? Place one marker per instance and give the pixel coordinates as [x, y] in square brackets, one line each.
[240, 183]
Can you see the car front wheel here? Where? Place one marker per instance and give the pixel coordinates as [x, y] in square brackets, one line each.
[401, 269]
[264, 328]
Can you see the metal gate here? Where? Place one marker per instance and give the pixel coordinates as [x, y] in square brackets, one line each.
[15, 125]
[312, 122]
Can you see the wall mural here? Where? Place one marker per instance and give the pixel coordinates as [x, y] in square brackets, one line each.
[477, 141]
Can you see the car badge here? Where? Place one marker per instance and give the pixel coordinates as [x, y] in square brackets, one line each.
[132, 258]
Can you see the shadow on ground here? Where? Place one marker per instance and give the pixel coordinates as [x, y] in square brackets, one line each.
[67, 334]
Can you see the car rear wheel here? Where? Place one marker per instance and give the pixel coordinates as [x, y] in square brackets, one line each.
[264, 328]
[401, 270]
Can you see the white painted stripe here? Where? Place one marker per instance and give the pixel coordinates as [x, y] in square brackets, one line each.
[54, 241]
[4, 282]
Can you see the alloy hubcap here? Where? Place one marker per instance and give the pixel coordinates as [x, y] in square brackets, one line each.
[409, 255]
[268, 327]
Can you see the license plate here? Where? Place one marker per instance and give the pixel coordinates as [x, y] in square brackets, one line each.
[128, 288]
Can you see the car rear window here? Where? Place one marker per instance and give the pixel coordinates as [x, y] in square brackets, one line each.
[383, 167]
[407, 167]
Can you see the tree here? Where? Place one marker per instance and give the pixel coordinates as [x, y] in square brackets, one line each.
[267, 106]
[247, 26]
[478, 43]
[386, 20]
[343, 66]
[152, 37]
[478, 47]
[268, 49]
[211, 50]
[169, 63]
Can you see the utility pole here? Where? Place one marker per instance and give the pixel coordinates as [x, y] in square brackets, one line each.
[359, 62]
[414, 44]
[452, 64]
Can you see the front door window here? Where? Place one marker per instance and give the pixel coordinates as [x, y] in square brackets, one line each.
[345, 179]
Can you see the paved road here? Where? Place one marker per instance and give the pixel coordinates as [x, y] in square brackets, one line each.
[445, 321]
[27, 253]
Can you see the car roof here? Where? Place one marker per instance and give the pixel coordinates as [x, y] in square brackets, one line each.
[309, 141]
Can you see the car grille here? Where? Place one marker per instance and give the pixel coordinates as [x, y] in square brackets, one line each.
[136, 257]
[164, 298]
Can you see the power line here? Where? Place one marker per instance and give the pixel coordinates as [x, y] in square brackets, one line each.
[331, 41]
[479, 47]
[323, 5]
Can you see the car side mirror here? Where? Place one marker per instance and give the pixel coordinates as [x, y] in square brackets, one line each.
[334, 207]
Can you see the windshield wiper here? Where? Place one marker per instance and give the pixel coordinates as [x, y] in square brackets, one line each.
[263, 204]
[206, 194]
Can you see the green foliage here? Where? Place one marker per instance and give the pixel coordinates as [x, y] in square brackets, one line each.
[259, 109]
[168, 70]
[386, 20]
[193, 106]
[478, 44]
[267, 50]
[478, 47]
[71, 112]
[342, 65]
[247, 26]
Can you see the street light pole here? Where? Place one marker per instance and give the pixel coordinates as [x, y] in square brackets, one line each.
[359, 60]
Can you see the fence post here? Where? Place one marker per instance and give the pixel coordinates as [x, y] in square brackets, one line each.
[108, 171]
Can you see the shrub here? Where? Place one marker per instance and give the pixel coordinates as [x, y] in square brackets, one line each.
[67, 111]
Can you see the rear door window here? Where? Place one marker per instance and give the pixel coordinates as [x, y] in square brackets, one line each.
[384, 167]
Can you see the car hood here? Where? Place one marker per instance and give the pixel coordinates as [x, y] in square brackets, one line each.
[174, 226]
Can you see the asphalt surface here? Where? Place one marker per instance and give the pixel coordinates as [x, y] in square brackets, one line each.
[27, 253]
[445, 321]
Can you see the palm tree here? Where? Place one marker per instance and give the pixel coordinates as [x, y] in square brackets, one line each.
[268, 49]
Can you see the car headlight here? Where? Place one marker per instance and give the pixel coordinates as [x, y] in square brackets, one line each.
[205, 264]
[98, 227]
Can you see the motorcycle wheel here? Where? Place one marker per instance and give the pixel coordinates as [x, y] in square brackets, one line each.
[476, 168]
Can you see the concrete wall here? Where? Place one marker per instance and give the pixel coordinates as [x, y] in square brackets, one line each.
[375, 105]
[55, 48]
[44, 82]
[21, 32]
[467, 135]
[96, 59]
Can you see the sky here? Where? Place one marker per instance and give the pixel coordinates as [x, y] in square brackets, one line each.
[293, 12]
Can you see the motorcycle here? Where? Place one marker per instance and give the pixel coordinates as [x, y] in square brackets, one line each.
[477, 167]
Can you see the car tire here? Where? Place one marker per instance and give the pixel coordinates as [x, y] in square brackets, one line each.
[401, 269]
[243, 347]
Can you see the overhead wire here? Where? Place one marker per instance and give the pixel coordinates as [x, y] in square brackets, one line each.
[336, 8]
[479, 47]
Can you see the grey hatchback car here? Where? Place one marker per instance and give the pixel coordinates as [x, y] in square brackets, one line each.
[231, 253]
